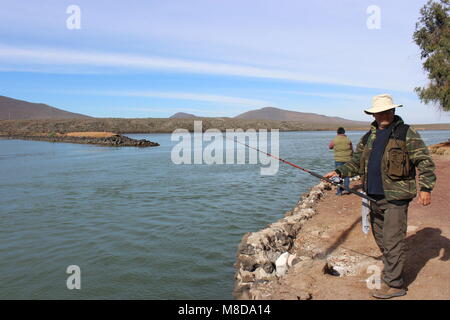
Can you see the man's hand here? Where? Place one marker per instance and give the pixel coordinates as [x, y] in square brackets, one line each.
[424, 198]
[331, 174]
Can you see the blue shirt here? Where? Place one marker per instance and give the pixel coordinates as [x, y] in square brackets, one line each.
[374, 182]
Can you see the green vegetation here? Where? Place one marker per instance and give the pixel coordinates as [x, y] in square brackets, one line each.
[154, 125]
[432, 35]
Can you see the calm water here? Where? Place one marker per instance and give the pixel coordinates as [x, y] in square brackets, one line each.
[136, 224]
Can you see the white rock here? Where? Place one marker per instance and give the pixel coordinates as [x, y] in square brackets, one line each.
[281, 264]
[341, 270]
[290, 259]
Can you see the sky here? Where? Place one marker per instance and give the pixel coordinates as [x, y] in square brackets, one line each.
[137, 59]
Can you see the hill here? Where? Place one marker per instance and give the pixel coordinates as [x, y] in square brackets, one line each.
[13, 109]
[182, 115]
[270, 113]
[164, 125]
[34, 118]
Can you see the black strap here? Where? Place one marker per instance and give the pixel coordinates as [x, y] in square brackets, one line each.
[398, 133]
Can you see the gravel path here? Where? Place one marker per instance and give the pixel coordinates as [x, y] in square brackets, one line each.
[333, 241]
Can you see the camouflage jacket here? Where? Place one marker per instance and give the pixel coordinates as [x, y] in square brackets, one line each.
[402, 155]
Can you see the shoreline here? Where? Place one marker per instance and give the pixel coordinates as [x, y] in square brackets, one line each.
[264, 256]
[114, 140]
[161, 125]
[318, 251]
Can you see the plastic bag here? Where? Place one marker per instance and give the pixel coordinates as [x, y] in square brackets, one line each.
[365, 210]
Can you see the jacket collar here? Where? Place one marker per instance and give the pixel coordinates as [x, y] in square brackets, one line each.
[397, 121]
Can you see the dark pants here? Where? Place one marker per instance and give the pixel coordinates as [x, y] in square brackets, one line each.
[346, 180]
[389, 223]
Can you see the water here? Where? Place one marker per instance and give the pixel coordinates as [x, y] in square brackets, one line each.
[139, 226]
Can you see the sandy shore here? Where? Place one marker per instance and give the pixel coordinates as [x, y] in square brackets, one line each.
[329, 256]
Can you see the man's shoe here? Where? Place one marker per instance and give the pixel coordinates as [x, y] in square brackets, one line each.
[387, 292]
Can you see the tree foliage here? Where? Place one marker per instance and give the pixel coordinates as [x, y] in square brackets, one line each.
[432, 35]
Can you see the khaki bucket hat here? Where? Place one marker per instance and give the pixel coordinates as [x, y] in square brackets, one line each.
[380, 103]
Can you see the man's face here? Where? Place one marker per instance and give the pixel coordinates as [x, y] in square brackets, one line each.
[385, 118]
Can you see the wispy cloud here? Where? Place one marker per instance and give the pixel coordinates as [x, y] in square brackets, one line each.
[185, 96]
[217, 55]
[341, 96]
[52, 57]
[199, 112]
[205, 97]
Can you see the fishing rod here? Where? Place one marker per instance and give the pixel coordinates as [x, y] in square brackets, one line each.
[337, 181]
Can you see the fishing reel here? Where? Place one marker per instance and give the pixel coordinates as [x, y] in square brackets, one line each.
[337, 180]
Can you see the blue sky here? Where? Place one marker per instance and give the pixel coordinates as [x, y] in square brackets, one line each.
[212, 58]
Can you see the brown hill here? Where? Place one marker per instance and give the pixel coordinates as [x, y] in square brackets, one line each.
[182, 115]
[270, 113]
[13, 109]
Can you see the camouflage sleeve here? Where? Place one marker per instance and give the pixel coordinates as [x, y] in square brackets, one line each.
[420, 157]
[351, 168]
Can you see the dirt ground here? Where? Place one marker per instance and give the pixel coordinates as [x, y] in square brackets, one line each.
[334, 237]
[93, 134]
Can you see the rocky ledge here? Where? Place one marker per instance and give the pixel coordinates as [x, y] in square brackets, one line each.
[318, 251]
[116, 140]
[440, 148]
[266, 255]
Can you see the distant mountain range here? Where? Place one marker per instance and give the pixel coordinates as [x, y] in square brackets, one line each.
[270, 113]
[13, 109]
[31, 118]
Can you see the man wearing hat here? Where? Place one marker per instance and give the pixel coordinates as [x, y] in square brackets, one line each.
[386, 158]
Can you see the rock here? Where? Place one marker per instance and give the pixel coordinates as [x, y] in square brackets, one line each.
[281, 264]
[289, 213]
[245, 247]
[269, 267]
[307, 213]
[291, 259]
[261, 274]
[307, 204]
[330, 269]
[115, 140]
[247, 263]
[265, 254]
[246, 276]
[341, 270]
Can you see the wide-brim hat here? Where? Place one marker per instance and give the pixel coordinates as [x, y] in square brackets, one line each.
[380, 103]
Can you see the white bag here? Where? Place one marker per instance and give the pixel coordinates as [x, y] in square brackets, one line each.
[365, 210]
